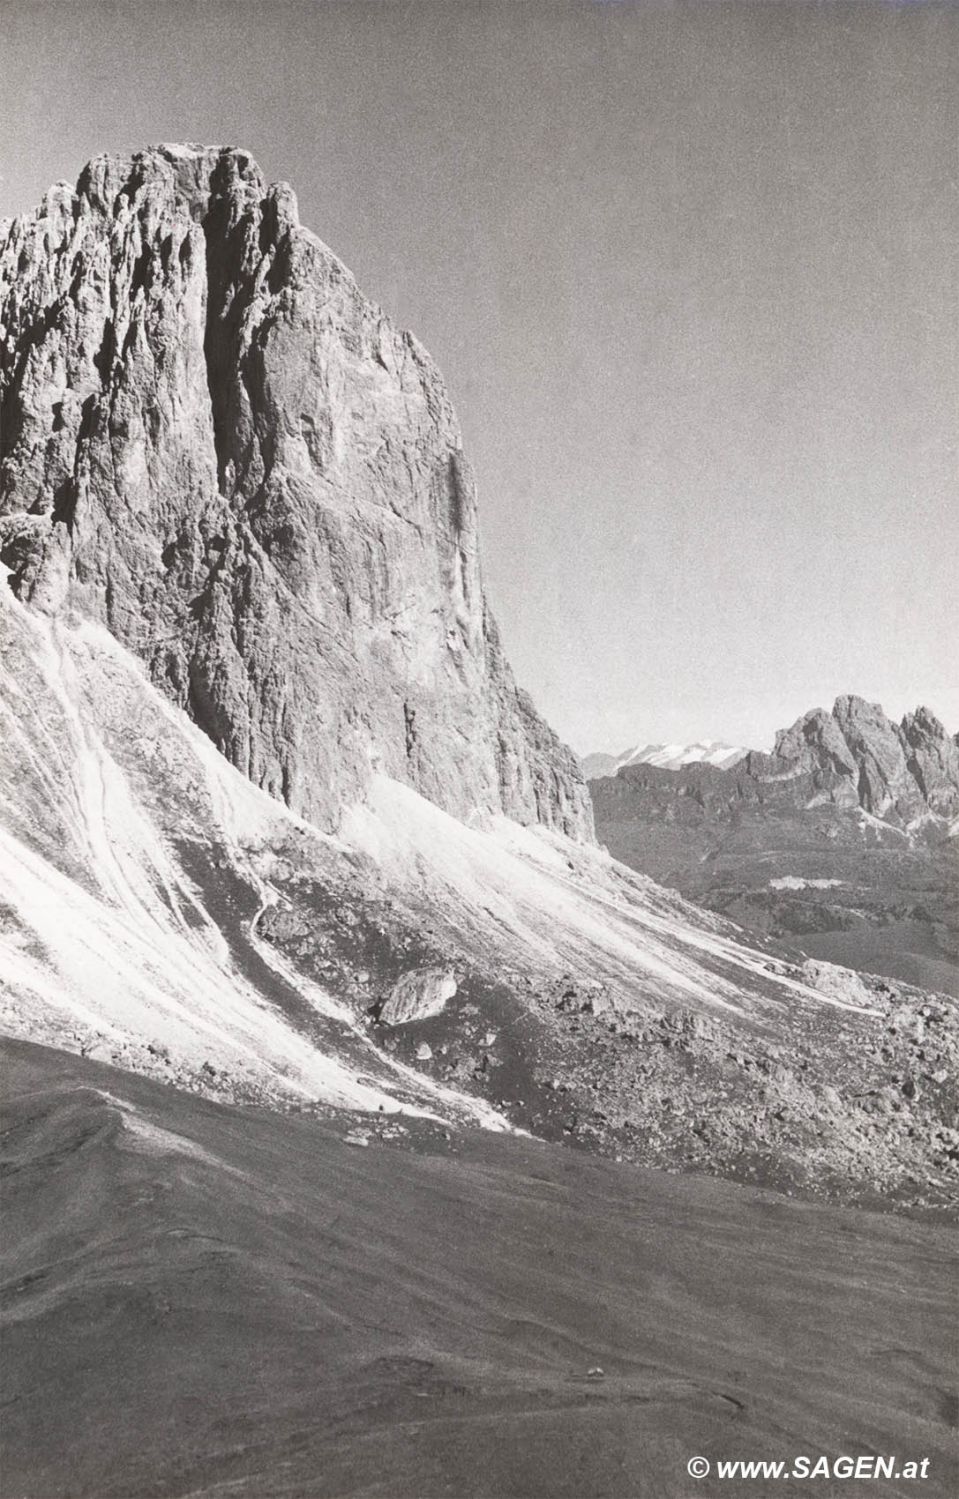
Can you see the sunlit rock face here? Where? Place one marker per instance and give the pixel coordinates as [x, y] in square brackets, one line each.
[899, 771]
[217, 447]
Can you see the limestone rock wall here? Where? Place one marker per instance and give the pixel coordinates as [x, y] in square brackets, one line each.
[215, 445]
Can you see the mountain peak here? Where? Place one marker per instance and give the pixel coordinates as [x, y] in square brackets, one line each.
[923, 721]
[889, 769]
[219, 449]
[192, 174]
[850, 704]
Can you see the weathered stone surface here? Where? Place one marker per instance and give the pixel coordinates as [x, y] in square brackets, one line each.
[840, 983]
[418, 995]
[860, 757]
[815, 742]
[932, 759]
[884, 782]
[213, 444]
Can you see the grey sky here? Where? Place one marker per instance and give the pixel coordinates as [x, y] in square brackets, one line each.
[690, 270]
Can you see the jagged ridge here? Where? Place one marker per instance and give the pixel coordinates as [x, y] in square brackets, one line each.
[853, 756]
[856, 755]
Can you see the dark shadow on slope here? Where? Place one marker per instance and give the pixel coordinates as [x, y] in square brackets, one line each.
[202, 1299]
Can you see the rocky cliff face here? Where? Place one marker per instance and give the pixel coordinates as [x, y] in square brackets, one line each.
[216, 446]
[857, 756]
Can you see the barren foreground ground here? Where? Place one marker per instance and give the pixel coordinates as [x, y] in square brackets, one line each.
[206, 1300]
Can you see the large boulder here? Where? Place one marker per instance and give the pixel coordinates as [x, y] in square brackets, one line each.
[418, 995]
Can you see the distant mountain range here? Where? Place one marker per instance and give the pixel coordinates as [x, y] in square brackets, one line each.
[855, 754]
[666, 757]
[841, 840]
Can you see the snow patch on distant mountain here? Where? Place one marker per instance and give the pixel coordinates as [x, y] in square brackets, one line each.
[666, 757]
[703, 752]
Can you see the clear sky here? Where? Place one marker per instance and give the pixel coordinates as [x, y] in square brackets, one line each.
[689, 268]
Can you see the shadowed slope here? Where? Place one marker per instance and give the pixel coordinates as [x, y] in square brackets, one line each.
[202, 1300]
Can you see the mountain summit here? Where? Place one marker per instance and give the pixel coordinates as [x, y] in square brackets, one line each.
[217, 447]
[859, 756]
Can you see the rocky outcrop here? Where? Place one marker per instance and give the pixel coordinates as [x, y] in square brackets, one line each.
[814, 744]
[216, 447]
[861, 758]
[852, 758]
[418, 995]
[884, 782]
[932, 759]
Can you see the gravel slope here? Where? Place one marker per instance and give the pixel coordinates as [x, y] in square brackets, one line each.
[206, 1300]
